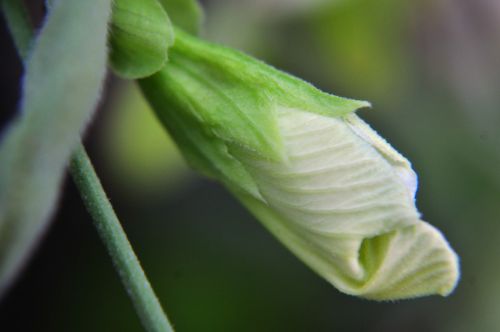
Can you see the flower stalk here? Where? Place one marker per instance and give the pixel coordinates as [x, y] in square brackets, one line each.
[114, 238]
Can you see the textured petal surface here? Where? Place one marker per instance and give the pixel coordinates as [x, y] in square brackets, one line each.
[343, 202]
[334, 181]
[410, 262]
[418, 261]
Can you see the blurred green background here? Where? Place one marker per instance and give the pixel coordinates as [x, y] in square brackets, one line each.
[431, 69]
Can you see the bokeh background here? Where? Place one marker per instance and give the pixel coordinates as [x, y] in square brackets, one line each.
[431, 68]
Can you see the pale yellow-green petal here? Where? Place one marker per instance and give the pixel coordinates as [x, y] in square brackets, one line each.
[410, 262]
[333, 181]
[343, 201]
[401, 165]
[418, 261]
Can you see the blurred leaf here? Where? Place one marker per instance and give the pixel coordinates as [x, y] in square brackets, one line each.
[141, 34]
[63, 80]
[186, 14]
[362, 45]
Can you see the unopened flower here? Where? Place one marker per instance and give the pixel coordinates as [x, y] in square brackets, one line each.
[317, 176]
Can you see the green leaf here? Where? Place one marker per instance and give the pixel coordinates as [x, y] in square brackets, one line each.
[61, 87]
[141, 34]
[186, 14]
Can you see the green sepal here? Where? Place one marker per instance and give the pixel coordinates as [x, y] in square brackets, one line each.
[202, 150]
[236, 96]
[284, 89]
[233, 100]
[222, 100]
[186, 14]
[141, 33]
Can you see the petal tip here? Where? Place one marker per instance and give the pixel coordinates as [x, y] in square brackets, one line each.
[453, 276]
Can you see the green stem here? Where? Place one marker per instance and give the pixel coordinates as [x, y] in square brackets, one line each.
[108, 226]
[126, 263]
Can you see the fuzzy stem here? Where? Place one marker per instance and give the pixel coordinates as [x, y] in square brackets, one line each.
[124, 259]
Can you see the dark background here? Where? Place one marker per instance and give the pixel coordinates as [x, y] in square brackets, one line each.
[431, 70]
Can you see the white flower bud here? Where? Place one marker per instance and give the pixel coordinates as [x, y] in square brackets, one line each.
[343, 201]
[332, 190]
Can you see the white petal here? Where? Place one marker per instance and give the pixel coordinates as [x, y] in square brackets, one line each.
[334, 181]
[401, 165]
[343, 202]
[417, 261]
[410, 262]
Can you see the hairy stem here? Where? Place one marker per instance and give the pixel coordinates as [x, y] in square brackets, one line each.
[124, 259]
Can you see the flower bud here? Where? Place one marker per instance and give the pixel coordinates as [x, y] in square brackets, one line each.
[317, 176]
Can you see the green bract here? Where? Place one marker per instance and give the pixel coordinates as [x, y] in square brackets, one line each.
[318, 177]
[141, 34]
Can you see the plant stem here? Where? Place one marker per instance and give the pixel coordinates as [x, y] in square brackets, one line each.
[126, 263]
[106, 222]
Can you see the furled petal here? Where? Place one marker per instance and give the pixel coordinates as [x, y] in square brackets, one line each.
[344, 203]
[334, 182]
